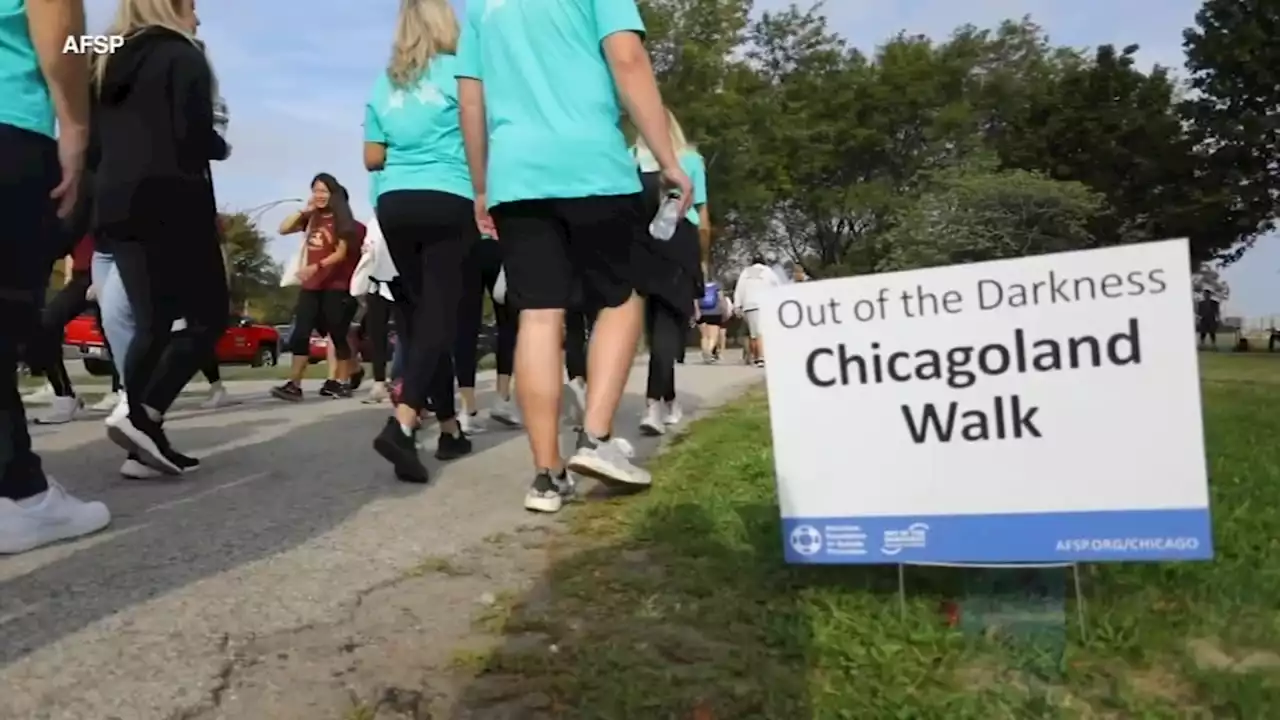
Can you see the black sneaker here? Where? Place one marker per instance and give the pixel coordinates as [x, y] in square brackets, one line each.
[357, 377]
[288, 391]
[452, 447]
[402, 452]
[548, 493]
[185, 463]
[145, 438]
[343, 390]
[330, 389]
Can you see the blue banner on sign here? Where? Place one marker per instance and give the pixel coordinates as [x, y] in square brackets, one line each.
[1099, 536]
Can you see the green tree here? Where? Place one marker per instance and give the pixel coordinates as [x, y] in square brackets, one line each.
[972, 213]
[1233, 57]
[254, 276]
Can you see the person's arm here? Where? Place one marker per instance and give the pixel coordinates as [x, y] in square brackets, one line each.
[50, 23]
[375, 141]
[191, 82]
[621, 34]
[471, 110]
[68, 269]
[337, 256]
[296, 222]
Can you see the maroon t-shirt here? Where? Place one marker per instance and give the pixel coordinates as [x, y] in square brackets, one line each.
[320, 243]
[340, 277]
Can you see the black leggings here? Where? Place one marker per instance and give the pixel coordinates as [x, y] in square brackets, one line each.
[377, 328]
[577, 329]
[29, 244]
[327, 312]
[212, 372]
[483, 265]
[429, 235]
[45, 355]
[665, 330]
[166, 280]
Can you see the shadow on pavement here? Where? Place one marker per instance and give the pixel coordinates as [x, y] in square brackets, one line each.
[247, 503]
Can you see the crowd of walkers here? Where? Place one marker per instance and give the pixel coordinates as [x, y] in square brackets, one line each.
[498, 168]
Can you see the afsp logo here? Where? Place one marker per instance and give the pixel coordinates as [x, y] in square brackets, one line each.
[92, 44]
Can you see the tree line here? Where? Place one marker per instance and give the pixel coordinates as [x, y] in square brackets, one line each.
[991, 143]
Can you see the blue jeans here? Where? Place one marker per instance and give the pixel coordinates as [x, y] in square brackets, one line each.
[113, 303]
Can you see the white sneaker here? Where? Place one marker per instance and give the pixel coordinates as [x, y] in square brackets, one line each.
[651, 424]
[41, 396]
[218, 397]
[133, 469]
[62, 410]
[119, 412]
[505, 412]
[107, 403]
[574, 402]
[674, 413]
[48, 518]
[548, 494]
[377, 394]
[608, 462]
[470, 423]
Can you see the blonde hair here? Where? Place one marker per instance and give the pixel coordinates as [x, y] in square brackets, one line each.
[679, 143]
[424, 29]
[134, 16]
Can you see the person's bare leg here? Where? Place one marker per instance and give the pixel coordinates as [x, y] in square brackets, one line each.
[722, 340]
[299, 368]
[331, 361]
[708, 344]
[539, 359]
[504, 387]
[467, 396]
[610, 352]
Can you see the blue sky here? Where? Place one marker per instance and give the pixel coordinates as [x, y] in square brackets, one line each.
[295, 75]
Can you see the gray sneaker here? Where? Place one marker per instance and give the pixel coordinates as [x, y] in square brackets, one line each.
[608, 462]
[548, 493]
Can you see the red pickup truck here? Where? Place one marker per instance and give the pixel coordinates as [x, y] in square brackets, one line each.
[244, 343]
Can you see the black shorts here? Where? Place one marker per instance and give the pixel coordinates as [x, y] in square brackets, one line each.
[325, 312]
[716, 320]
[563, 253]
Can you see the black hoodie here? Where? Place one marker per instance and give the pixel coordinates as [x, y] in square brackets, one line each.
[154, 138]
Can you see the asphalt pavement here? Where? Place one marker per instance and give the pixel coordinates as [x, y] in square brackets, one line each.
[291, 519]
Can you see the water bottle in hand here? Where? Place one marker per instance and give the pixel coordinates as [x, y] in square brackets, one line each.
[664, 223]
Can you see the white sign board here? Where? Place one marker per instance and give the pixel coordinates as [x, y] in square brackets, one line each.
[1037, 410]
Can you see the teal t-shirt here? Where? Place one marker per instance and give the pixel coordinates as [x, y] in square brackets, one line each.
[420, 127]
[693, 166]
[26, 102]
[550, 100]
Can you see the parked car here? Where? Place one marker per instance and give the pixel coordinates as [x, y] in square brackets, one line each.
[244, 343]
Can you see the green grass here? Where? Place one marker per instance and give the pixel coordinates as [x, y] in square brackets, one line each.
[677, 603]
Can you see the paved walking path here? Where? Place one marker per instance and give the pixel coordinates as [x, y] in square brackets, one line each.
[289, 527]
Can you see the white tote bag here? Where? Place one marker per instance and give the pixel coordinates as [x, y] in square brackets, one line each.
[500, 288]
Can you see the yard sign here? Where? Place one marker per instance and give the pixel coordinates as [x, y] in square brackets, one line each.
[1037, 410]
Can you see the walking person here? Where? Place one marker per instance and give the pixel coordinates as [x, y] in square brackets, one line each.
[371, 284]
[542, 85]
[40, 180]
[212, 371]
[752, 283]
[676, 279]
[711, 319]
[153, 178]
[45, 353]
[1208, 317]
[324, 301]
[481, 272]
[414, 141]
